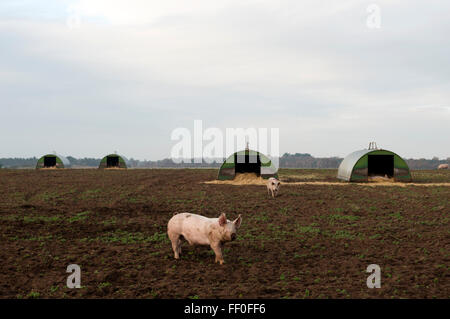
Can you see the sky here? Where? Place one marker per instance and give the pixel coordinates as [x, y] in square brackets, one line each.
[90, 77]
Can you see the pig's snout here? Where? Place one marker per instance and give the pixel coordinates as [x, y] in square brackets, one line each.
[233, 237]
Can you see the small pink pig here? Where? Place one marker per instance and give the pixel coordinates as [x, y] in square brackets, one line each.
[201, 230]
[273, 185]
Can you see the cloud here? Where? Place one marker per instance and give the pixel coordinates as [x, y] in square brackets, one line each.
[138, 12]
[143, 68]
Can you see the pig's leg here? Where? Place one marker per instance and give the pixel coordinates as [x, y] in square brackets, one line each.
[179, 241]
[273, 196]
[176, 244]
[217, 247]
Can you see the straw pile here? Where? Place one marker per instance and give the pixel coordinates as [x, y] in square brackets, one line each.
[253, 179]
[381, 179]
[242, 179]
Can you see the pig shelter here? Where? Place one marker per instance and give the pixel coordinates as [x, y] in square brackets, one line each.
[247, 161]
[361, 165]
[114, 161]
[53, 161]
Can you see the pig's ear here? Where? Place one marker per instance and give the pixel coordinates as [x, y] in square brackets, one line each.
[222, 219]
[238, 221]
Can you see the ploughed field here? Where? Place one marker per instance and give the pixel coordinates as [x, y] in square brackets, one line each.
[313, 241]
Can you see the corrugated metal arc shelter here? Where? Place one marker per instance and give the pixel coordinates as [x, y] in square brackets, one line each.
[359, 165]
[114, 161]
[247, 161]
[53, 161]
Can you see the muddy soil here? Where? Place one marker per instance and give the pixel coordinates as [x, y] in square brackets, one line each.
[312, 241]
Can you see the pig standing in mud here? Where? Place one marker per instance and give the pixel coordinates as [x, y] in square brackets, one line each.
[443, 166]
[273, 185]
[201, 230]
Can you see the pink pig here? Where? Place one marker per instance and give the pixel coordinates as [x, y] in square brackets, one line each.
[201, 230]
[273, 185]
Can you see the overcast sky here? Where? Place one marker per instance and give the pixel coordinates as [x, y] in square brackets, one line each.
[90, 77]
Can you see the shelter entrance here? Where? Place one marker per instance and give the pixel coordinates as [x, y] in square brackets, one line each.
[50, 161]
[247, 163]
[381, 165]
[112, 161]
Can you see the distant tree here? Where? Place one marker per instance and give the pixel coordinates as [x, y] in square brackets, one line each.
[88, 162]
[298, 160]
[133, 162]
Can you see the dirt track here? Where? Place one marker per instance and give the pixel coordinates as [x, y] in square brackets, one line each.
[313, 241]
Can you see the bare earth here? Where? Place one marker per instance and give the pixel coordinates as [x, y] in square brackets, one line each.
[313, 241]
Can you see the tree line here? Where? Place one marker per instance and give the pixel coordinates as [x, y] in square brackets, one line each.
[297, 160]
